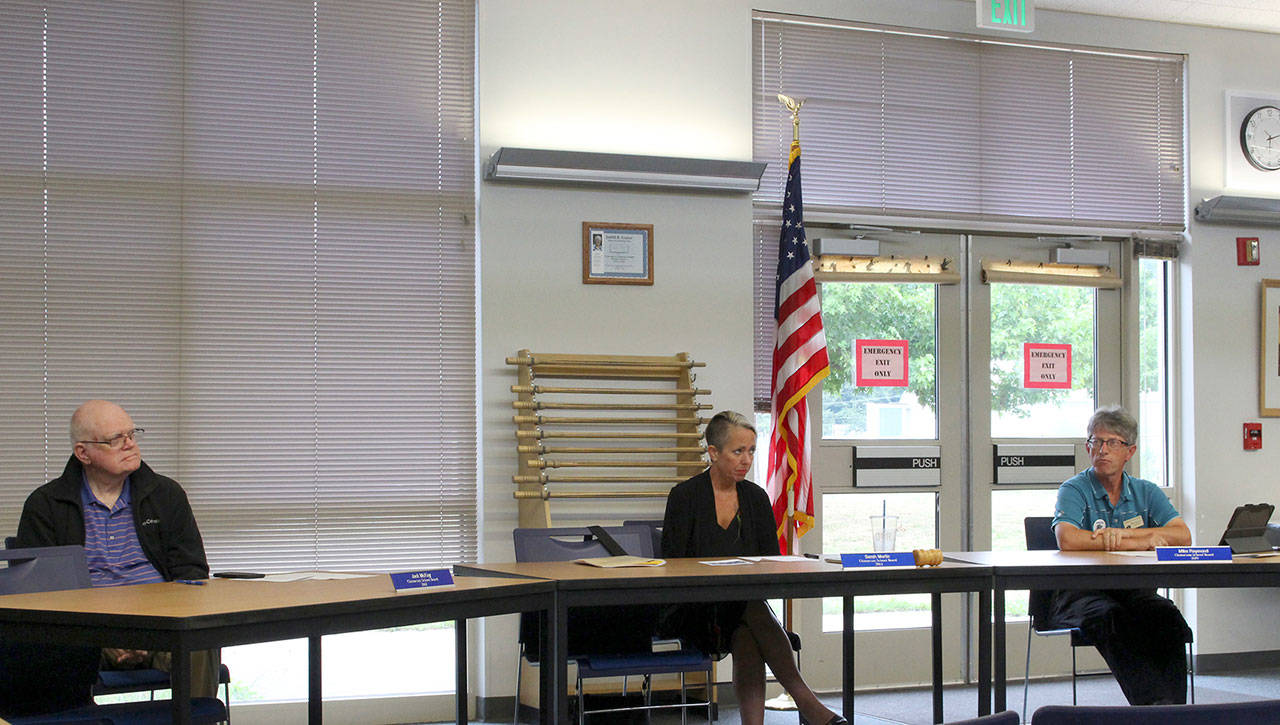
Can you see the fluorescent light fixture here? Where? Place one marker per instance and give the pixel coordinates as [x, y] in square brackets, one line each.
[583, 167]
[838, 247]
[1073, 255]
[1239, 210]
[1016, 271]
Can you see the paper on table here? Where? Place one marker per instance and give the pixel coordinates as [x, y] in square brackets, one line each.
[298, 576]
[1151, 554]
[726, 562]
[780, 557]
[614, 562]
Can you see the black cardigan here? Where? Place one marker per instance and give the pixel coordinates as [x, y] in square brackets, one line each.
[691, 514]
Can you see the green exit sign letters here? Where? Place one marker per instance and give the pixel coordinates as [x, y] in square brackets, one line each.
[1015, 15]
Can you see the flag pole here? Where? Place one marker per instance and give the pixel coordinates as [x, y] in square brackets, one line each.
[784, 701]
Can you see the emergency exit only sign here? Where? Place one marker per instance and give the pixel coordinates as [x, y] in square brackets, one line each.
[1016, 15]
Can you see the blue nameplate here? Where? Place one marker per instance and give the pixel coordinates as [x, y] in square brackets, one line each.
[410, 580]
[1193, 553]
[878, 558]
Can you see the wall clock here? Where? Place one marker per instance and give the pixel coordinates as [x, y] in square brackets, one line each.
[1260, 137]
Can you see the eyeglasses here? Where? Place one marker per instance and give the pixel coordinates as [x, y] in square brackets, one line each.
[1112, 443]
[116, 442]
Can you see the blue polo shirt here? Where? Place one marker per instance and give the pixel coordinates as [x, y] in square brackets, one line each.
[111, 541]
[1082, 501]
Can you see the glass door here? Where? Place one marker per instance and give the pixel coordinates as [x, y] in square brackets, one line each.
[891, 449]
[931, 382]
[1046, 341]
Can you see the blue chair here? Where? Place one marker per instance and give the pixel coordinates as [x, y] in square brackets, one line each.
[1218, 713]
[117, 682]
[655, 530]
[608, 641]
[40, 683]
[151, 712]
[1008, 717]
[38, 677]
[1040, 537]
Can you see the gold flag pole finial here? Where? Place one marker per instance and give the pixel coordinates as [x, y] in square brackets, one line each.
[794, 106]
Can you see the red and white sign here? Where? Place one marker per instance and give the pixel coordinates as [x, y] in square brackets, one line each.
[1045, 365]
[881, 362]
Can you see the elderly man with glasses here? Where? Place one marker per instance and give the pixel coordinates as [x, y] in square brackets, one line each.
[1140, 634]
[137, 526]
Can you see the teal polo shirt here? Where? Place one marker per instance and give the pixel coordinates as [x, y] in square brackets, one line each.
[1082, 501]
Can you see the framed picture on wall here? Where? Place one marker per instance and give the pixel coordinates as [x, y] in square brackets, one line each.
[617, 253]
[1269, 378]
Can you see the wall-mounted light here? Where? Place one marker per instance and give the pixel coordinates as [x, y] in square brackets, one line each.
[1024, 272]
[926, 269]
[584, 167]
[1239, 210]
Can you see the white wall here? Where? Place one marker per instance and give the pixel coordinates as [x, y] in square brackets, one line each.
[673, 78]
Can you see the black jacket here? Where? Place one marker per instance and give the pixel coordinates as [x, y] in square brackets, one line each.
[691, 515]
[54, 516]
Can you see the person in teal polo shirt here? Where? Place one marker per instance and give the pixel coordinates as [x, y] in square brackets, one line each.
[1139, 633]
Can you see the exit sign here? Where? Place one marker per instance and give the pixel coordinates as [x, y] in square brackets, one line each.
[1016, 15]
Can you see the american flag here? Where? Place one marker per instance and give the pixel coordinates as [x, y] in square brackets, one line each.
[799, 363]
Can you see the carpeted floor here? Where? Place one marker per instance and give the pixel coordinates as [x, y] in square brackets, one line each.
[915, 706]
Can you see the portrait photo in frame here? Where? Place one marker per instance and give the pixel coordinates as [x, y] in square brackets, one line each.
[1269, 373]
[617, 253]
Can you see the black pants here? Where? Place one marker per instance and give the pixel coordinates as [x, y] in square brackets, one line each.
[1140, 634]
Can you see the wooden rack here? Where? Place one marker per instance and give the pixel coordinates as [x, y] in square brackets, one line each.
[580, 441]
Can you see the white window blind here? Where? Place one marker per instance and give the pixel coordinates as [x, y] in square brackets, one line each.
[277, 219]
[964, 128]
[960, 129]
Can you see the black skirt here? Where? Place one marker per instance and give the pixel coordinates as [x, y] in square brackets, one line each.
[708, 627]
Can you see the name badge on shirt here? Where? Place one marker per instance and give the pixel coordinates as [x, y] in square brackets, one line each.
[1133, 523]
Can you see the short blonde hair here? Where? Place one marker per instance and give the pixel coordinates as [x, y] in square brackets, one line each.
[717, 431]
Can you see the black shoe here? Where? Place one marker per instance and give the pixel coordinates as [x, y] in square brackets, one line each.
[837, 720]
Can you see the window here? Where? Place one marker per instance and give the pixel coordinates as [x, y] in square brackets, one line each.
[1028, 131]
[1031, 133]
[250, 224]
[853, 311]
[1153, 369]
[848, 527]
[1023, 314]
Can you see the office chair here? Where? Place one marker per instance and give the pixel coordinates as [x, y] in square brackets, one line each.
[1218, 713]
[42, 683]
[608, 641]
[655, 528]
[203, 710]
[1040, 537]
[118, 682]
[655, 531]
[1007, 717]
